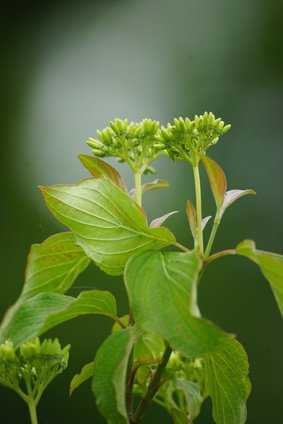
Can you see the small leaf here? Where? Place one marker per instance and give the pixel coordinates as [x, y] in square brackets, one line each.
[191, 216]
[101, 169]
[188, 391]
[159, 221]
[205, 221]
[148, 348]
[231, 196]
[31, 317]
[155, 185]
[85, 374]
[54, 265]
[109, 381]
[217, 179]
[271, 265]
[161, 288]
[107, 223]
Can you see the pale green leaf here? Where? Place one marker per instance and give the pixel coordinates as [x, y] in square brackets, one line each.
[217, 179]
[232, 196]
[108, 224]
[181, 398]
[151, 186]
[157, 222]
[271, 265]
[205, 221]
[109, 381]
[54, 265]
[85, 374]
[161, 287]
[31, 317]
[155, 185]
[101, 169]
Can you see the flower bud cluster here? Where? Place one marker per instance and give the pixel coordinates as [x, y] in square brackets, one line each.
[33, 365]
[187, 139]
[132, 142]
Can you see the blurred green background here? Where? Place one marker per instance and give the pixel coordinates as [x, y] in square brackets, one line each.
[67, 68]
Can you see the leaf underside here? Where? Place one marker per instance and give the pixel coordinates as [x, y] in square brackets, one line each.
[107, 223]
[31, 317]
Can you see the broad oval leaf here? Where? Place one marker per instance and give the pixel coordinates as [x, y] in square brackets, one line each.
[232, 196]
[101, 169]
[271, 265]
[217, 179]
[109, 381]
[160, 288]
[54, 265]
[31, 317]
[108, 224]
[85, 374]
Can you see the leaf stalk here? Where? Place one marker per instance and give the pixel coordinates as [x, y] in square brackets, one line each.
[199, 235]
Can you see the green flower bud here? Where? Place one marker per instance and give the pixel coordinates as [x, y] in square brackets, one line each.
[135, 143]
[187, 139]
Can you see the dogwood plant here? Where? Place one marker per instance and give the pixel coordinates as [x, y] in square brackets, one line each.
[163, 350]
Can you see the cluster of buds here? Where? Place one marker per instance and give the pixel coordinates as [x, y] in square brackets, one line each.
[31, 367]
[187, 139]
[135, 143]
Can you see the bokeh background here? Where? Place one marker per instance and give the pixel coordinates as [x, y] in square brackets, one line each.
[67, 68]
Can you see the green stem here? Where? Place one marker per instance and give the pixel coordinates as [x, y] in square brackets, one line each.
[32, 411]
[199, 236]
[152, 388]
[210, 242]
[181, 247]
[138, 187]
[218, 255]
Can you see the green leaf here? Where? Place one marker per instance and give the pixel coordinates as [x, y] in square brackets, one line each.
[148, 348]
[85, 374]
[232, 196]
[155, 185]
[109, 381]
[31, 317]
[217, 179]
[108, 224]
[161, 289]
[101, 169]
[270, 264]
[188, 393]
[54, 265]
